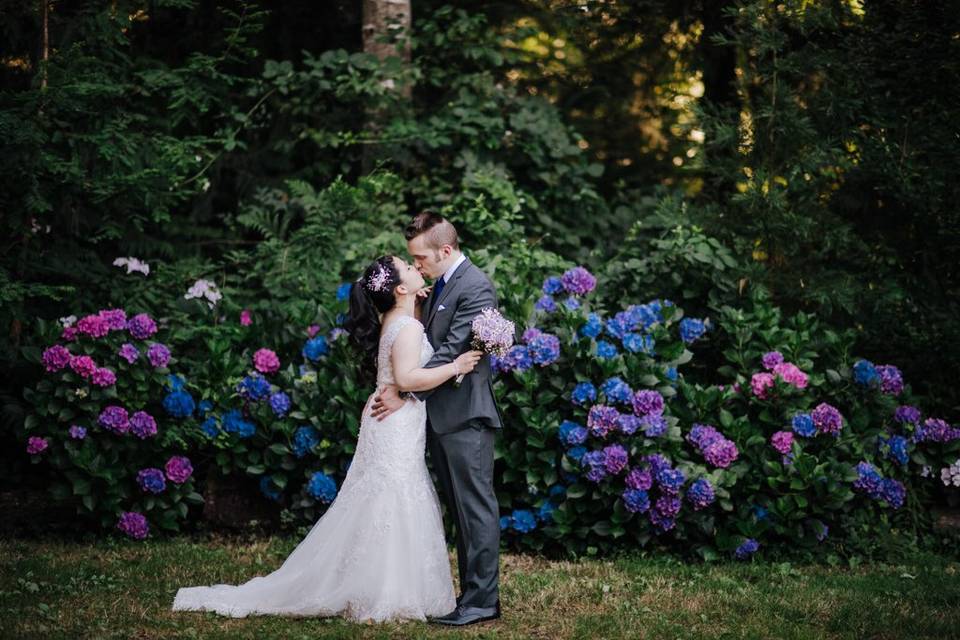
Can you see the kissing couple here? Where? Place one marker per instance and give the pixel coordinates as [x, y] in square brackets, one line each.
[379, 553]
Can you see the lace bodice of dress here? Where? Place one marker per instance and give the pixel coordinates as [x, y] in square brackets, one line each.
[387, 338]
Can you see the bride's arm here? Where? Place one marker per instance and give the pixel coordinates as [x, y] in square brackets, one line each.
[408, 373]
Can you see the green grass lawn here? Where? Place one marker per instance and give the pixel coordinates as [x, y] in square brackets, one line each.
[56, 589]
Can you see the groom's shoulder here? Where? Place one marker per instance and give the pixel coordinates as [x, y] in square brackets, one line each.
[479, 275]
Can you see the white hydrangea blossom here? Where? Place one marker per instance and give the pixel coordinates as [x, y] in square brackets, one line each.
[204, 289]
[951, 475]
[133, 264]
[68, 321]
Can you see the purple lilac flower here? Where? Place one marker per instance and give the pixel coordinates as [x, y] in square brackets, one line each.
[628, 423]
[639, 479]
[636, 500]
[158, 354]
[133, 524]
[151, 480]
[782, 441]
[802, 425]
[578, 281]
[114, 419]
[602, 419]
[141, 326]
[55, 358]
[615, 459]
[906, 414]
[143, 425]
[179, 469]
[827, 419]
[746, 549]
[583, 393]
[129, 352]
[891, 380]
[701, 494]
[771, 359]
[77, 432]
[596, 464]
[647, 401]
[36, 445]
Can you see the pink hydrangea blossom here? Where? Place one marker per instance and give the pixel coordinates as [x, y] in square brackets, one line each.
[245, 319]
[55, 358]
[791, 374]
[782, 441]
[36, 445]
[178, 469]
[313, 330]
[266, 361]
[69, 334]
[84, 366]
[116, 319]
[133, 524]
[93, 326]
[759, 384]
[103, 377]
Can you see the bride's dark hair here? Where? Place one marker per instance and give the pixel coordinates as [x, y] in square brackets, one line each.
[370, 297]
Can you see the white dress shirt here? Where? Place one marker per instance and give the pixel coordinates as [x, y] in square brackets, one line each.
[453, 267]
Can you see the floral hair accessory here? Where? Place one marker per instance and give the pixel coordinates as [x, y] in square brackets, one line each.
[378, 279]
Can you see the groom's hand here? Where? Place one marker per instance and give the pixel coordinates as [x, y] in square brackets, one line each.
[386, 402]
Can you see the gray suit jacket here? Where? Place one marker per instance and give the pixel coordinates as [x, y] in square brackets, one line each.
[448, 328]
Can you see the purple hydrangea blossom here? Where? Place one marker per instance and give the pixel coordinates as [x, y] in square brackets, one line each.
[636, 500]
[668, 505]
[654, 425]
[639, 479]
[571, 433]
[595, 462]
[141, 326]
[782, 441]
[552, 286]
[647, 401]
[37, 445]
[602, 419]
[628, 423]
[771, 359]
[103, 377]
[701, 494]
[115, 319]
[891, 380]
[827, 419]
[55, 358]
[546, 304]
[746, 549]
[544, 349]
[670, 480]
[616, 459]
[158, 354]
[906, 414]
[77, 432]
[179, 469]
[133, 524]
[143, 425]
[114, 418]
[279, 403]
[935, 430]
[578, 281]
[151, 480]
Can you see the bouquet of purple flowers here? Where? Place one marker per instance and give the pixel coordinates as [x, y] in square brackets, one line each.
[492, 334]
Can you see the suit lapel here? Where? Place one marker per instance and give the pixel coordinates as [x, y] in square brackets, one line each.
[446, 290]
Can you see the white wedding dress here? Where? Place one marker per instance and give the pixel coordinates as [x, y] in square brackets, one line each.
[378, 553]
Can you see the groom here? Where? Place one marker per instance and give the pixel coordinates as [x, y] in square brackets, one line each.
[461, 421]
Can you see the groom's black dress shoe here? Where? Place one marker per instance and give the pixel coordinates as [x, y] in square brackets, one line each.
[462, 616]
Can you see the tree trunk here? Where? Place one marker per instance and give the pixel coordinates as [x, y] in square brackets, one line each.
[386, 31]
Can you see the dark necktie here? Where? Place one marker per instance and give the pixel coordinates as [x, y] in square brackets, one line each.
[437, 290]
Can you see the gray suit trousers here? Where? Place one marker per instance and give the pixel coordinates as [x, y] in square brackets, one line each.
[463, 461]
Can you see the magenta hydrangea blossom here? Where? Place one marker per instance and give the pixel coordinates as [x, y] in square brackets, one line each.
[115, 319]
[578, 281]
[178, 469]
[114, 418]
[647, 402]
[782, 441]
[245, 319]
[93, 326]
[55, 358]
[129, 352]
[133, 524]
[771, 359]
[141, 326]
[36, 445]
[827, 419]
[69, 334]
[721, 453]
[266, 361]
[313, 330]
[84, 366]
[143, 425]
[103, 377]
[760, 382]
[891, 380]
[791, 374]
[158, 354]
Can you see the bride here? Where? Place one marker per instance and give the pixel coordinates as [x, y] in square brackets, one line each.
[378, 553]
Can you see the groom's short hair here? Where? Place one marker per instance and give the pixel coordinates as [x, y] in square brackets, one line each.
[439, 230]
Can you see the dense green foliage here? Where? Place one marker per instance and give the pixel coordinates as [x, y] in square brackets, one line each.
[734, 157]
